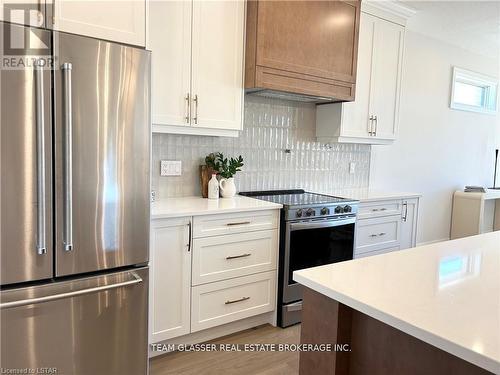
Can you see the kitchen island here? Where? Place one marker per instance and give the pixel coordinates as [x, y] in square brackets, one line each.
[433, 309]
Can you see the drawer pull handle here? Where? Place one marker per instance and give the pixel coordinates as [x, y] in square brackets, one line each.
[379, 209]
[238, 256]
[378, 235]
[240, 223]
[237, 300]
[381, 234]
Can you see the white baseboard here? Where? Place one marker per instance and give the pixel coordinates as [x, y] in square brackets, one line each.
[433, 241]
[219, 331]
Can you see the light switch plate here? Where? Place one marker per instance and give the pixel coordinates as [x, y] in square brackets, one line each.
[352, 167]
[170, 168]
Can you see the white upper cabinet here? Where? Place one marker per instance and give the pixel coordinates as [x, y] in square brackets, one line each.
[386, 78]
[170, 40]
[217, 70]
[373, 117]
[197, 66]
[117, 20]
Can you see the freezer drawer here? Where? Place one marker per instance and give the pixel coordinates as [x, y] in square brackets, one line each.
[95, 325]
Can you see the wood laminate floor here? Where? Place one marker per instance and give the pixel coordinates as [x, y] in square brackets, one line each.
[236, 363]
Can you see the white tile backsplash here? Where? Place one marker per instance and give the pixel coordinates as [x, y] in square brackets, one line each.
[271, 127]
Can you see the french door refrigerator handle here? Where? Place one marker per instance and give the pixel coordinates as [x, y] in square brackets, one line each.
[136, 279]
[68, 159]
[40, 146]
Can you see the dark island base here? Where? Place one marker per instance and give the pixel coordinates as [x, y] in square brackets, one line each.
[376, 348]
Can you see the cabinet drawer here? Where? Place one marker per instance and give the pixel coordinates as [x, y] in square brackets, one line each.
[376, 252]
[230, 300]
[378, 209]
[222, 257]
[215, 225]
[377, 234]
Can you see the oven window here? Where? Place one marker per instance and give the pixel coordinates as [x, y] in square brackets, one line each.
[316, 247]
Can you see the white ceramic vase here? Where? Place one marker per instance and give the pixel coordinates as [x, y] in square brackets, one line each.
[227, 187]
[213, 188]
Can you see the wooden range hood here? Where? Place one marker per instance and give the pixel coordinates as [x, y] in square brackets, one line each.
[302, 50]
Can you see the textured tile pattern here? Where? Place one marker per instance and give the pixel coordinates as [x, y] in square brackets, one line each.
[271, 127]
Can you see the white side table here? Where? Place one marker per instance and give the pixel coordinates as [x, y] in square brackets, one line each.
[475, 213]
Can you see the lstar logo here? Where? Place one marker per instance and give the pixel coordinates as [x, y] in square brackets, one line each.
[23, 45]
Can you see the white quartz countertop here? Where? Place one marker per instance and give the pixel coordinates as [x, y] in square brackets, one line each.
[446, 294]
[193, 206]
[368, 195]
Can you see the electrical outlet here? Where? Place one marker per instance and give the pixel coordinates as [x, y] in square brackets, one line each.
[352, 167]
[170, 168]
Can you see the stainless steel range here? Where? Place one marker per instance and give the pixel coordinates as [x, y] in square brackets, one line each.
[315, 229]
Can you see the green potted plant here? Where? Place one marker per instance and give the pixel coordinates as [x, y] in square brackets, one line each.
[227, 168]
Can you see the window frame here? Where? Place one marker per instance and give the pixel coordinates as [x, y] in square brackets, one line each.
[477, 79]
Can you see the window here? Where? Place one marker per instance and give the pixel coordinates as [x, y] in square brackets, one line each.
[473, 91]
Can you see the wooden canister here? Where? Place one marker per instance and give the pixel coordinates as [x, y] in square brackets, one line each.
[205, 175]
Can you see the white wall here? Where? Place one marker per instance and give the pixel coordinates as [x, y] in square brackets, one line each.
[438, 150]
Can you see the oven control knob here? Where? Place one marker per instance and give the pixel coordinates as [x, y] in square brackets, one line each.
[347, 209]
[325, 211]
[339, 209]
[298, 213]
[310, 212]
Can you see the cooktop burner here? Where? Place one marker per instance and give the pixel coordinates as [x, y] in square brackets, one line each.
[297, 197]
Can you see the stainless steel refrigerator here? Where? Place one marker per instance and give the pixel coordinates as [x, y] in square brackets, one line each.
[75, 156]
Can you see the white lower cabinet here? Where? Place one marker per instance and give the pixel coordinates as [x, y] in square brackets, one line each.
[170, 285]
[200, 280]
[229, 300]
[222, 257]
[378, 233]
[386, 225]
[409, 223]
[215, 225]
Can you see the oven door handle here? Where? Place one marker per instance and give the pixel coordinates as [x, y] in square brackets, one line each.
[321, 224]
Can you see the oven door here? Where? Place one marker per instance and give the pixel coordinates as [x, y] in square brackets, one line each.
[312, 243]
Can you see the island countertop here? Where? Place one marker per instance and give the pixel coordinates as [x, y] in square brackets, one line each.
[446, 294]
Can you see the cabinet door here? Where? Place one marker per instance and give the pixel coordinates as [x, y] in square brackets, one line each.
[122, 21]
[169, 39]
[170, 286]
[376, 234]
[386, 77]
[409, 218]
[217, 64]
[355, 115]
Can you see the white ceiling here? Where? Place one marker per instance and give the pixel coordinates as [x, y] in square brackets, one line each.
[472, 25]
